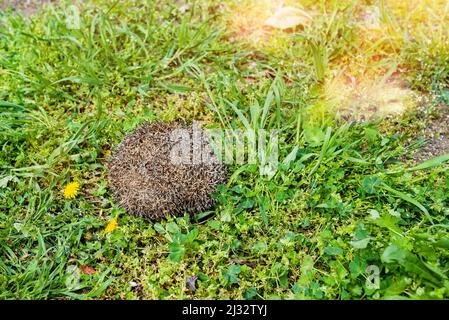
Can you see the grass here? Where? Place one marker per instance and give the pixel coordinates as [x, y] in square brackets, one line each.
[346, 195]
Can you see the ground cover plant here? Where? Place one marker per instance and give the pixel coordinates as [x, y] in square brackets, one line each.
[354, 211]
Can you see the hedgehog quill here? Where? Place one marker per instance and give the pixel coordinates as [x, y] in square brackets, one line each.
[148, 181]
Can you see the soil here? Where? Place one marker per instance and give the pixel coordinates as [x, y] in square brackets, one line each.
[27, 7]
[436, 133]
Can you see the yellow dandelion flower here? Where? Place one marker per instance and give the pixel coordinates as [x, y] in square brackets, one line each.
[71, 190]
[112, 225]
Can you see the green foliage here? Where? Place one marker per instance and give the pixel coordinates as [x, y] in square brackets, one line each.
[341, 200]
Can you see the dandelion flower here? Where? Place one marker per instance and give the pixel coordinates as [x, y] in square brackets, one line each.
[71, 190]
[112, 225]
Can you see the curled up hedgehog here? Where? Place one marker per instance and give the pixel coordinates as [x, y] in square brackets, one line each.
[163, 169]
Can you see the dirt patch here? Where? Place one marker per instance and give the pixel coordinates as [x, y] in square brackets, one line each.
[436, 133]
[27, 7]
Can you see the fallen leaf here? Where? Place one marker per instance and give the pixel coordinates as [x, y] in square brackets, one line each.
[112, 225]
[288, 17]
[87, 270]
[191, 284]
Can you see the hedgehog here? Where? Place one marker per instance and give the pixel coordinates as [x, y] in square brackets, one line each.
[163, 169]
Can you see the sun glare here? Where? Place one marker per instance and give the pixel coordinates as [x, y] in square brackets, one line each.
[368, 98]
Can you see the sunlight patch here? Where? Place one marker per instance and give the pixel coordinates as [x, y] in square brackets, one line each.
[368, 99]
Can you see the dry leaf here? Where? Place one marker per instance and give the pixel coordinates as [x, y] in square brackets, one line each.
[112, 225]
[87, 270]
[288, 17]
[191, 284]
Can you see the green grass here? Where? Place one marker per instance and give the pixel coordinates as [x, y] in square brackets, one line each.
[345, 197]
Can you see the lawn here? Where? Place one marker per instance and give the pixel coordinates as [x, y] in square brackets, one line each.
[358, 92]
